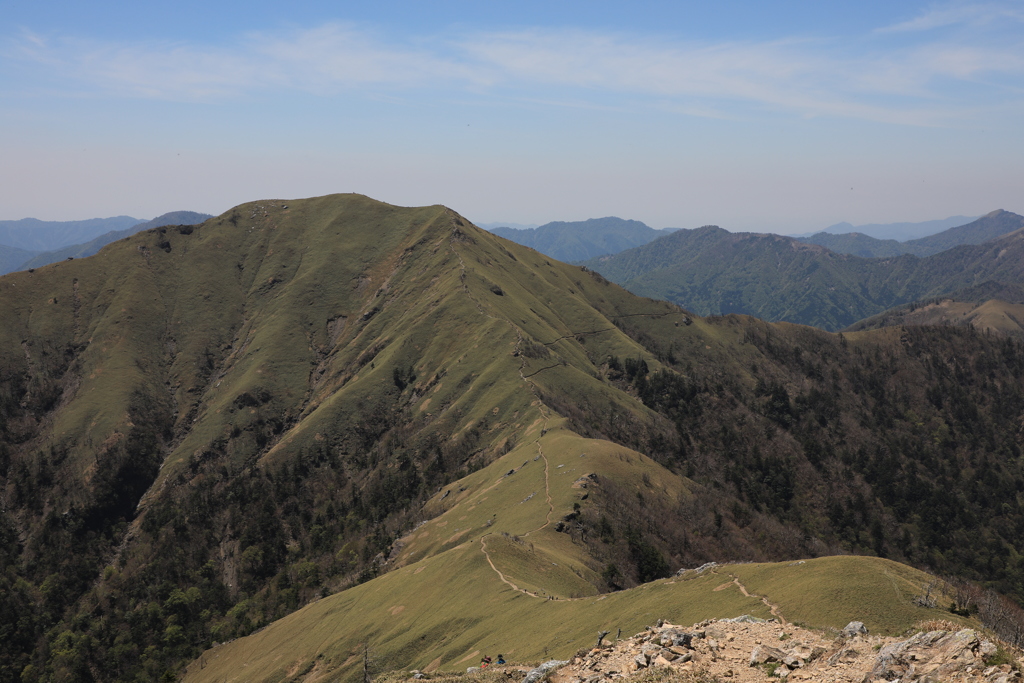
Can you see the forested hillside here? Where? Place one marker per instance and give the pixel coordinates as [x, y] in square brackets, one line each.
[713, 272]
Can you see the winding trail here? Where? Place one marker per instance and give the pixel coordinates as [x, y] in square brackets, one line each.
[547, 491]
[772, 607]
[483, 547]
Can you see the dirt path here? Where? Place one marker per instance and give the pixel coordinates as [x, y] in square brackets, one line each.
[483, 548]
[547, 488]
[772, 607]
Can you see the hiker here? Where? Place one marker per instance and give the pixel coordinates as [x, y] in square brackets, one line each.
[484, 662]
[501, 659]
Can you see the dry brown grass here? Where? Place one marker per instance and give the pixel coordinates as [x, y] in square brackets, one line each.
[929, 625]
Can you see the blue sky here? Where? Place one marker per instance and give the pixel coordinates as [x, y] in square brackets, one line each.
[785, 116]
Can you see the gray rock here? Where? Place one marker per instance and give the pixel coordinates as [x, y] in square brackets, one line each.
[699, 570]
[744, 619]
[641, 661]
[938, 654]
[683, 640]
[763, 654]
[650, 650]
[541, 671]
[854, 628]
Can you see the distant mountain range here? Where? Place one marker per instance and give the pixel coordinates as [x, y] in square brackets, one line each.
[581, 240]
[14, 258]
[711, 271]
[32, 234]
[987, 227]
[897, 231]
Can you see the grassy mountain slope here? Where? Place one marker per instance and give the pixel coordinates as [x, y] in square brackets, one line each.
[993, 315]
[94, 245]
[711, 271]
[466, 611]
[193, 364]
[205, 428]
[989, 227]
[581, 240]
[989, 307]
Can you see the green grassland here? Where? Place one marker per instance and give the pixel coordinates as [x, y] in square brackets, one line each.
[989, 315]
[826, 591]
[446, 611]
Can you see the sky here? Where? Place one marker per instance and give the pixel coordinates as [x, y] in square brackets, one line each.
[787, 116]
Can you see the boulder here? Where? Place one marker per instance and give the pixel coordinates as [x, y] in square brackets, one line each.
[650, 650]
[535, 675]
[854, 628]
[744, 619]
[937, 654]
[763, 654]
[792, 661]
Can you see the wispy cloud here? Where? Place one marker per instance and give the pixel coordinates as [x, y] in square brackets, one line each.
[956, 14]
[824, 77]
[322, 59]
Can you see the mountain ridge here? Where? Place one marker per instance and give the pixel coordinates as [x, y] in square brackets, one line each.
[988, 227]
[711, 271]
[33, 234]
[94, 245]
[900, 231]
[581, 240]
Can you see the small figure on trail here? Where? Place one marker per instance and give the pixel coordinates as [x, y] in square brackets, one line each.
[484, 662]
[501, 659]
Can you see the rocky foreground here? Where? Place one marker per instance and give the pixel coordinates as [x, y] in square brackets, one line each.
[749, 649]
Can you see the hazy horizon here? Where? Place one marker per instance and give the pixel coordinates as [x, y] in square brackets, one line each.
[757, 118]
